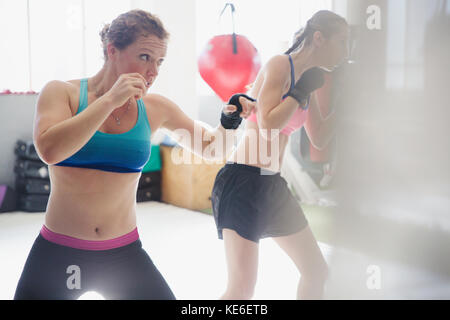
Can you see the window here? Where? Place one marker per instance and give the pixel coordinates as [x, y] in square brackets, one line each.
[51, 39]
[14, 54]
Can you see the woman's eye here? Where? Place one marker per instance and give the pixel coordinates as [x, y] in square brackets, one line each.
[145, 57]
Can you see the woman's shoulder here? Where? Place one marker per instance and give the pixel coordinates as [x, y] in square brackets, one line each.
[154, 100]
[278, 62]
[277, 69]
[61, 86]
[66, 90]
[159, 104]
[159, 109]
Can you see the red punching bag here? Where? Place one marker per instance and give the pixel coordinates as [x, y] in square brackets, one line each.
[229, 63]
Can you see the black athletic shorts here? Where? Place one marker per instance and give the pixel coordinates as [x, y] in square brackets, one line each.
[254, 203]
[56, 272]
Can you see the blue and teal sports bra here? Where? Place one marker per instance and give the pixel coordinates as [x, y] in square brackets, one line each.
[123, 152]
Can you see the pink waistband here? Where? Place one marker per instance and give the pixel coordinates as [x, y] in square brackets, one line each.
[89, 244]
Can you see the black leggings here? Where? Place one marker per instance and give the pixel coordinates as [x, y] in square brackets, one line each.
[56, 272]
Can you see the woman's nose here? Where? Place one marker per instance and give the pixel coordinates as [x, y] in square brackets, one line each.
[153, 70]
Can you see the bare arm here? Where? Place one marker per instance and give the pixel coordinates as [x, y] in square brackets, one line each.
[57, 135]
[271, 113]
[320, 131]
[208, 143]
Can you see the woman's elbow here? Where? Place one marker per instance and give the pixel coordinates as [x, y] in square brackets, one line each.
[267, 130]
[46, 154]
[47, 157]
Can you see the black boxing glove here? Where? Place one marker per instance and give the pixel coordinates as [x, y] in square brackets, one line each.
[311, 80]
[233, 120]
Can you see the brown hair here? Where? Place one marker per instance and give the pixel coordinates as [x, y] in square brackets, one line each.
[127, 27]
[327, 22]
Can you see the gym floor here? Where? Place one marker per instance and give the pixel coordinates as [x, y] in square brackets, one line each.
[184, 246]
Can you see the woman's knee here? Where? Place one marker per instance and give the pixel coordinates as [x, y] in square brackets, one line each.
[242, 285]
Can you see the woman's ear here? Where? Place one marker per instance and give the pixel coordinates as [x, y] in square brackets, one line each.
[111, 50]
[318, 39]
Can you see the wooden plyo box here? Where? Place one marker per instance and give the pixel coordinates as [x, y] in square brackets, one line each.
[187, 184]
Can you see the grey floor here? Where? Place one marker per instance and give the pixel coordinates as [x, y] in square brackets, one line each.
[184, 246]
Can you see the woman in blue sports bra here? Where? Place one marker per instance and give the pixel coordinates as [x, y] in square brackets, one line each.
[94, 134]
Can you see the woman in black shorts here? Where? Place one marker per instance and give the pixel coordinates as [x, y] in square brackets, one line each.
[250, 199]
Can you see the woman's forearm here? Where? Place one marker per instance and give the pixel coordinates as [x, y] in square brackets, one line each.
[278, 117]
[64, 139]
[219, 143]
